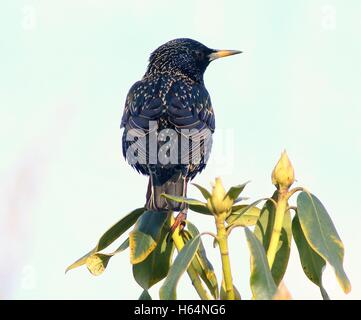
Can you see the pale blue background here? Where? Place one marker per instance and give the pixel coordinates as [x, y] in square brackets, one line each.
[66, 67]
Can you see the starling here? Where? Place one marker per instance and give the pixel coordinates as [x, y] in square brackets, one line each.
[168, 121]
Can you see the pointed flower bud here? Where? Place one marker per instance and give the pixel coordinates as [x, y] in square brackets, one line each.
[218, 202]
[283, 174]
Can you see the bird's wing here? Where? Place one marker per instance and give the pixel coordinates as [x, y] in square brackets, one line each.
[190, 111]
[190, 107]
[141, 107]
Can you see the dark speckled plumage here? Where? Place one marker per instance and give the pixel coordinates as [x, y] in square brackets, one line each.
[171, 93]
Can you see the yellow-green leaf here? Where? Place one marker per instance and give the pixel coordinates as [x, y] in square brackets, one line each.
[110, 236]
[146, 234]
[156, 266]
[81, 261]
[201, 263]
[223, 293]
[97, 263]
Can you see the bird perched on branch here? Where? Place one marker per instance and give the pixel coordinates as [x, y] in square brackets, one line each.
[168, 121]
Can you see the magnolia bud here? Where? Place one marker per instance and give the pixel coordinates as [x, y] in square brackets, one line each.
[218, 202]
[283, 174]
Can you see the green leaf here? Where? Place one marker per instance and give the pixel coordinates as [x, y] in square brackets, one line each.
[321, 235]
[206, 194]
[146, 234]
[182, 199]
[235, 191]
[241, 209]
[122, 247]
[262, 284]
[263, 232]
[118, 229]
[247, 218]
[180, 265]
[324, 294]
[312, 263]
[193, 204]
[200, 209]
[264, 226]
[156, 266]
[201, 263]
[239, 199]
[145, 295]
[110, 236]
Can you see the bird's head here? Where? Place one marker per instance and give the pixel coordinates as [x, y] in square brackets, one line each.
[185, 56]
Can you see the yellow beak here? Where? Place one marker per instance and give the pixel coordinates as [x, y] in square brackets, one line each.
[222, 53]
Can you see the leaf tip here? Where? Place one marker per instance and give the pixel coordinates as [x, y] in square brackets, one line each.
[346, 286]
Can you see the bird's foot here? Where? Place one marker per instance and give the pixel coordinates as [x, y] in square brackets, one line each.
[178, 222]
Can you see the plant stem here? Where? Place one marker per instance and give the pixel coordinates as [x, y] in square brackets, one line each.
[277, 227]
[223, 248]
[196, 282]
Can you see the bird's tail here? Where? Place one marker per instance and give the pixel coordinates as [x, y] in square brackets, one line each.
[175, 186]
